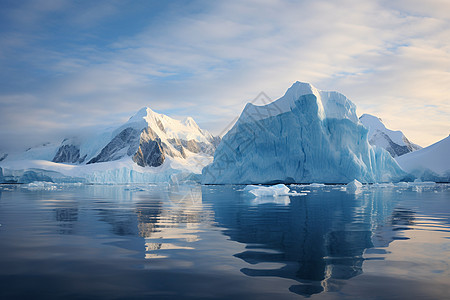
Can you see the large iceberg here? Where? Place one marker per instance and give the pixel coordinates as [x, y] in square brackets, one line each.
[305, 136]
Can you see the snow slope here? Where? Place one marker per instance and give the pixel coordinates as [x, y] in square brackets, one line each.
[149, 147]
[305, 136]
[395, 142]
[430, 163]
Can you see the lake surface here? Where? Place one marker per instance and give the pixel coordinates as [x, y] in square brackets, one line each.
[192, 241]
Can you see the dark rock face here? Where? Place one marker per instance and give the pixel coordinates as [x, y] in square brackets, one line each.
[150, 152]
[395, 149]
[215, 140]
[67, 154]
[2, 179]
[193, 146]
[160, 125]
[126, 138]
[2, 157]
[144, 146]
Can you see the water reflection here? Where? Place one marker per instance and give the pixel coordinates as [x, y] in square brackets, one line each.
[66, 217]
[317, 240]
[156, 240]
[173, 223]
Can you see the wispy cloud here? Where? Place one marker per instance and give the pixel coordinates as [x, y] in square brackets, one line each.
[99, 63]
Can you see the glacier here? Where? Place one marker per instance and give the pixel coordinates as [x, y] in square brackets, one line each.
[305, 136]
[395, 142]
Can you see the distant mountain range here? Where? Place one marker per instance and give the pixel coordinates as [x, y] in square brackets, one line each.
[147, 139]
[306, 136]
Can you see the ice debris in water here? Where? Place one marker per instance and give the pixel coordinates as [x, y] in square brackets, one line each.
[271, 191]
[383, 185]
[402, 184]
[41, 185]
[419, 182]
[354, 186]
[317, 185]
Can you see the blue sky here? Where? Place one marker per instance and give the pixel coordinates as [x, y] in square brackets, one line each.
[67, 66]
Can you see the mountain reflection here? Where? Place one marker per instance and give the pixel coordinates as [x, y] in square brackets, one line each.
[175, 224]
[316, 240]
[66, 218]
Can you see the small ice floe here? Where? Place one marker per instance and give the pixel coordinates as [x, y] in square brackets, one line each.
[402, 184]
[354, 187]
[271, 191]
[419, 182]
[41, 185]
[134, 188]
[317, 185]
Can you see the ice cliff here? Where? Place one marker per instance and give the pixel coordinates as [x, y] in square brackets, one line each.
[305, 136]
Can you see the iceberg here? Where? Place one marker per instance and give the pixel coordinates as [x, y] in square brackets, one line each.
[305, 136]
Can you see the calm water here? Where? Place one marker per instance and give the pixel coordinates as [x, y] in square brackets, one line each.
[175, 242]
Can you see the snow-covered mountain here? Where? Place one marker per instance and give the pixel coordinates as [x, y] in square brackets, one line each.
[430, 163]
[395, 142]
[305, 136]
[148, 147]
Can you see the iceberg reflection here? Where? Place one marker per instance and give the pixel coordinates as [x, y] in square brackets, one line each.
[315, 240]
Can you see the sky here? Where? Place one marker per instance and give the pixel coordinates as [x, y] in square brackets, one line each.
[68, 67]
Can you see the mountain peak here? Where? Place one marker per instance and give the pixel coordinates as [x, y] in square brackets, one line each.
[328, 104]
[395, 142]
[189, 122]
[142, 113]
[299, 89]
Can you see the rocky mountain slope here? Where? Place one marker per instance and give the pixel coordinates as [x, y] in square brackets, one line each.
[395, 142]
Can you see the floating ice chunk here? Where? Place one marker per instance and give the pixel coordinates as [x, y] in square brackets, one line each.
[271, 191]
[419, 182]
[317, 185]
[402, 184]
[41, 185]
[354, 186]
[134, 189]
